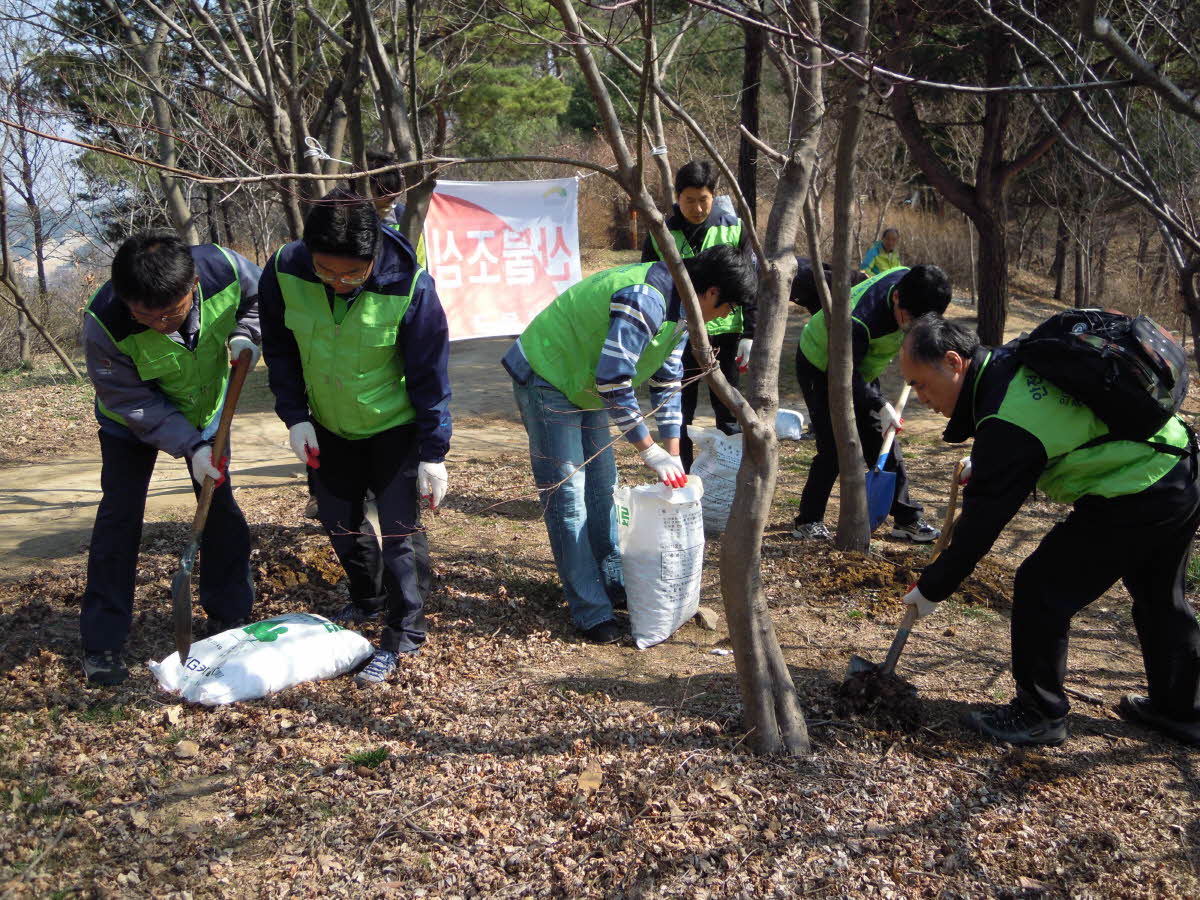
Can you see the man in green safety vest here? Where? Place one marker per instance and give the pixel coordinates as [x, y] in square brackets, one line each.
[576, 367]
[158, 338]
[882, 307]
[357, 349]
[1136, 506]
[696, 225]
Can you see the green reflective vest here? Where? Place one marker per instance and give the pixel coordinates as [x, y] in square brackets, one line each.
[193, 380]
[353, 371]
[715, 236]
[881, 350]
[1063, 425]
[564, 341]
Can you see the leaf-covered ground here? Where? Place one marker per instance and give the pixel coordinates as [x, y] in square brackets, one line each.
[509, 759]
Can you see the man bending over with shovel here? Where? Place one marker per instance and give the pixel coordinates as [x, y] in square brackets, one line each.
[1136, 508]
[882, 308]
[156, 339]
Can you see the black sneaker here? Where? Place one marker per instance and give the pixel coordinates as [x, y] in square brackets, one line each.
[104, 668]
[811, 531]
[1139, 709]
[605, 633]
[353, 614]
[311, 510]
[216, 626]
[1017, 724]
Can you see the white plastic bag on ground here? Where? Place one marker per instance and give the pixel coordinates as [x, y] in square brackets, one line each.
[789, 425]
[661, 534]
[718, 456]
[260, 659]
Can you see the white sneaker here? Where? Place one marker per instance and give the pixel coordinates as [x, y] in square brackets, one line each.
[812, 531]
[919, 532]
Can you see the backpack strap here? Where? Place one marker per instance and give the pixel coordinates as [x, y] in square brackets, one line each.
[1182, 452]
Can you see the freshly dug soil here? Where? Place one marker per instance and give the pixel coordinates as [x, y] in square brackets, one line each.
[889, 700]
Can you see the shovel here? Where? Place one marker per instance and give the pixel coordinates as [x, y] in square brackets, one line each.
[881, 485]
[181, 584]
[858, 664]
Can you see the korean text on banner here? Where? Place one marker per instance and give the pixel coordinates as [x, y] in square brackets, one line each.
[501, 251]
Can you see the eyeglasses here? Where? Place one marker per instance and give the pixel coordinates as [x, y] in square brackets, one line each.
[350, 280]
[155, 317]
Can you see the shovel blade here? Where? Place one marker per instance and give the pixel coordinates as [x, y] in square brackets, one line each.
[858, 665]
[881, 491]
[181, 613]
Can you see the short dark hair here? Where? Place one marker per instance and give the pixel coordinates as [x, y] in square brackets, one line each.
[153, 269]
[695, 174]
[342, 224]
[728, 269]
[890, 230]
[924, 289]
[932, 337]
[386, 183]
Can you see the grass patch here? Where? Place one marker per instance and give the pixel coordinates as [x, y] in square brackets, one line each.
[1192, 578]
[369, 758]
[104, 714]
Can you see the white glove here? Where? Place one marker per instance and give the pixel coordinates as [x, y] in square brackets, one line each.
[887, 417]
[743, 354]
[915, 598]
[668, 468]
[965, 474]
[303, 438]
[240, 342]
[202, 466]
[432, 482]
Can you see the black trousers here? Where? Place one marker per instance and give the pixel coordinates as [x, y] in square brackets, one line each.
[226, 587]
[823, 471]
[725, 347]
[363, 564]
[385, 463]
[1144, 540]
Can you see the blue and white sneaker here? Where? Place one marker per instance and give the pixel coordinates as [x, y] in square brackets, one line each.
[382, 664]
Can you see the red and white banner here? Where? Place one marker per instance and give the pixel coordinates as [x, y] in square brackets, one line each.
[500, 251]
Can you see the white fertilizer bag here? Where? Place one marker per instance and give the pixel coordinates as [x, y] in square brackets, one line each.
[661, 533]
[718, 457]
[789, 425]
[260, 659]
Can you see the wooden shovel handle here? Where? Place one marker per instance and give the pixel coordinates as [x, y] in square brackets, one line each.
[241, 369]
[890, 437]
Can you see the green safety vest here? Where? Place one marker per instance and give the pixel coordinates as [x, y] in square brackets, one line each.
[564, 341]
[883, 262]
[715, 236]
[1064, 424]
[814, 339]
[353, 372]
[193, 380]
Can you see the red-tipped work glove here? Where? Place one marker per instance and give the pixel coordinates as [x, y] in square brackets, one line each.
[202, 466]
[745, 345]
[964, 474]
[668, 468]
[303, 438]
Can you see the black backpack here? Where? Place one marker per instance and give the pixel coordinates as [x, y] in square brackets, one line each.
[1130, 372]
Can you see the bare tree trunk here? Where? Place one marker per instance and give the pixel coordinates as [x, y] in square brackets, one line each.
[23, 341]
[1081, 275]
[752, 59]
[1101, 280]
[854, 528]
[1059, 266]
[993, 289]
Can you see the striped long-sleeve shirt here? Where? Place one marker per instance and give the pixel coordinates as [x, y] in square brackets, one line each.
[636, 313]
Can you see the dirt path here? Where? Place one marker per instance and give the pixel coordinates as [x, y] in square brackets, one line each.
[47, 507]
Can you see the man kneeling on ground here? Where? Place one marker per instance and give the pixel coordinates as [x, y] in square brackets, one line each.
[1136, 508]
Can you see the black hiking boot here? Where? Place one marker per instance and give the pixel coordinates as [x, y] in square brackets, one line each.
[1018, 724]
[1138, 709]
[104, 668]
[605, 633]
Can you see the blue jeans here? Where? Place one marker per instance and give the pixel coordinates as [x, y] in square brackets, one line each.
[577, 501]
